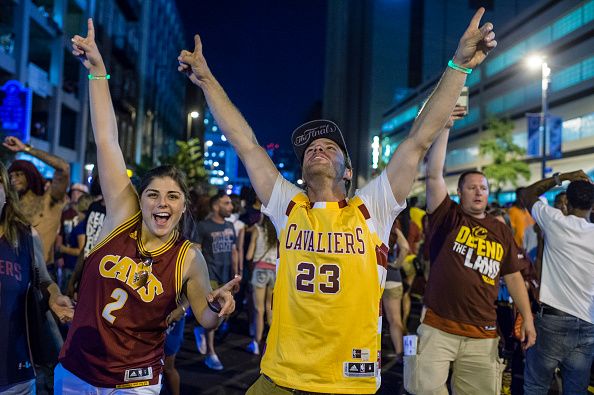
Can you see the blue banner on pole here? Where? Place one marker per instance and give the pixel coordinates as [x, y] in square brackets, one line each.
[15, 110]
[534, 137]
[555, 127]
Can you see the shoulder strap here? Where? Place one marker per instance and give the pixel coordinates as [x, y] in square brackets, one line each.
[35, 268]
[263, 255]
[261, 233]
[27, 246]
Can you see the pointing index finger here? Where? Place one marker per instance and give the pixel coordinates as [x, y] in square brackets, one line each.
[197, 43]
[476, 19]
[90, 29]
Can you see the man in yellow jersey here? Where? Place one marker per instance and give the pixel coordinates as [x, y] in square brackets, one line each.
[325, 333]
[469, 251]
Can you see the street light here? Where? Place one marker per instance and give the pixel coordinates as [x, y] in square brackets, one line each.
[191, 115]
[535, 62]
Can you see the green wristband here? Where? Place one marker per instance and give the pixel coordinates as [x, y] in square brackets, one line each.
[99, 77]
[456, 67]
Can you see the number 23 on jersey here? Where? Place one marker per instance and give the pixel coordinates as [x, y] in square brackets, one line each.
[324, 278]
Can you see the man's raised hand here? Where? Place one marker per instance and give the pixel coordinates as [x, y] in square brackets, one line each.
[14, 144]
[459, 112]
[193, 64]
[476, 42]
[577, 175]
[85, 49]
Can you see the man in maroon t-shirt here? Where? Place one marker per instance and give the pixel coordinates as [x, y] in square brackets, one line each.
[469, 250]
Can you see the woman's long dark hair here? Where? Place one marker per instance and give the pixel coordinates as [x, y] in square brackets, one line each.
[12, 219]
[269, 232]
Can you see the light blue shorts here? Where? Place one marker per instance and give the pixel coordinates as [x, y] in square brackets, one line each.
[66, 383]
[263, 278]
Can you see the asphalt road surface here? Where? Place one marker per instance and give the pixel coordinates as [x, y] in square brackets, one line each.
[242, 368]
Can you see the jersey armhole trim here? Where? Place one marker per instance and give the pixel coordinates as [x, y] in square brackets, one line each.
[118, 230]
[179, 269]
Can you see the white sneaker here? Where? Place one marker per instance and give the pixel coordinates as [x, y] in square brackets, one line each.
[253, 348]
[213, 362]
[200, 340]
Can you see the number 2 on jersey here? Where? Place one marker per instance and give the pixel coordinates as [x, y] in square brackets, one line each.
[306, 273]
[120, 297]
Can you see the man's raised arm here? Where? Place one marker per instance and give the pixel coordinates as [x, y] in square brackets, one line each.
[61, 178]
[434, 181]
[530, 194]
[472, 49]
[261, 170]
[435, 185]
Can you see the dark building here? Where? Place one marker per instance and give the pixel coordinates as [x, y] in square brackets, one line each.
[378, 51]
[562, 32]
[139, 40]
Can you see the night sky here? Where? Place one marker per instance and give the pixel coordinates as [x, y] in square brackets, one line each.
[268, 55]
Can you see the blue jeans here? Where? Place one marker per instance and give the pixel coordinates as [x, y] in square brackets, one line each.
[565, 342]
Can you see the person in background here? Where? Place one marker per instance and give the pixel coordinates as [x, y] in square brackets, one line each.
[43, 208]
[67, 222]
[469, 251]
[20, 254]
[70, 213]
[533, 238]
[520, 219]
[565, 320]
[239, 227]
[94, 217]
[263, 251]
[215, 237]
[173, 342]
[507, 318]
[392, 296]
[74, 244]
[240, 230]
[413, 235]
[251, 216]
[416, 213]
[42, 202]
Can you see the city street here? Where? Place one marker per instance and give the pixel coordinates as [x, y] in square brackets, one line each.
[427, 160]
[242, 368]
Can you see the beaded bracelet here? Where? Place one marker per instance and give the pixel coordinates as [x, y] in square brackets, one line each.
[456, 67]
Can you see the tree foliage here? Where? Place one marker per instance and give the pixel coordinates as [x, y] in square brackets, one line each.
[189, 159]
[507, 165]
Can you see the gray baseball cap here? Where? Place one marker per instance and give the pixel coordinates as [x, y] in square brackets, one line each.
[305, 134]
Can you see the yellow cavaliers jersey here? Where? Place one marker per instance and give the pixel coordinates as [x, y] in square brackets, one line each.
[326, 327]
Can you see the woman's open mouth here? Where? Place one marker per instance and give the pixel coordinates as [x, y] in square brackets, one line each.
[161, 218]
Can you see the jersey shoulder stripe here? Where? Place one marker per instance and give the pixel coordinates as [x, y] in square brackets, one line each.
[381, 250]
[179, 268]
[299, 199]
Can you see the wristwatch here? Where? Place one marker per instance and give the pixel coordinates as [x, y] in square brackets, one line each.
[27, 147]
[557, 179]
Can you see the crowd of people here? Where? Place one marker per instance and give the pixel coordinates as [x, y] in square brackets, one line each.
[121, 265]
